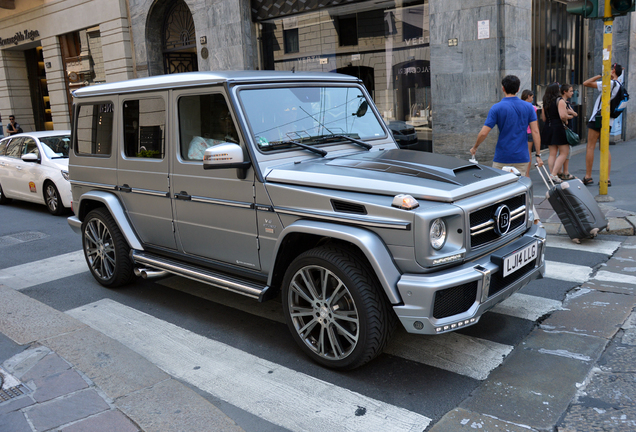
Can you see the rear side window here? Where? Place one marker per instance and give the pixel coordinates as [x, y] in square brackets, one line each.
[144, 128]
[204, 121]
[94, 129]
[3, 146]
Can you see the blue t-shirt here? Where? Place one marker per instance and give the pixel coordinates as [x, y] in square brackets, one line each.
[512, 116]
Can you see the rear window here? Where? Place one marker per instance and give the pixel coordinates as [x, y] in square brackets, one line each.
[94, 129]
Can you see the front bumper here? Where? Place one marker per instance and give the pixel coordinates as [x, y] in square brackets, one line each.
[457, 297]
[75, 224]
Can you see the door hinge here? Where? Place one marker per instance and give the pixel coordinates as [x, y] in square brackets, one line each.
[173, 227]
[258, 244]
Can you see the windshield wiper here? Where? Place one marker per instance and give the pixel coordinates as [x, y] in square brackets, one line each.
[321, 152]
[348, 138]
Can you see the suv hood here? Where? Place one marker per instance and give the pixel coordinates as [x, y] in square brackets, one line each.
[420, 174]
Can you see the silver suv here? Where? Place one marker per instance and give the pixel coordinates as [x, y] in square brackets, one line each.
[286, 184]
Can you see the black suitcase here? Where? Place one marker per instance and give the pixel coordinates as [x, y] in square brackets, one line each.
[576, 207]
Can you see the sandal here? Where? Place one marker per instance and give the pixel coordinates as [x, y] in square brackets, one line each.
[609, 182]
[588, 181]
[567, 176]
[555, 179]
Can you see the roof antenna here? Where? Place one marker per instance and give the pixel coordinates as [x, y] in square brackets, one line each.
[294, 69]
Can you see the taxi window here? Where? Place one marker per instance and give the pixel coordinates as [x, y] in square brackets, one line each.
[3, 146]
[30, 146]
[14, 149]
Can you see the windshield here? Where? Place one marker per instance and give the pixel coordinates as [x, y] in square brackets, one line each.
[56, 146]
[310, 115]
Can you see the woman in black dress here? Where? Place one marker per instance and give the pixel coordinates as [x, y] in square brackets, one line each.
[554, 114]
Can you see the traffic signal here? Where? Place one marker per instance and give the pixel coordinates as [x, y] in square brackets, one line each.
[586, 8]
[622, 7]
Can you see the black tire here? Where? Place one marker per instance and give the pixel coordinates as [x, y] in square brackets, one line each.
[358, 324]
[3, 198]
[106, 250]
[52, 199]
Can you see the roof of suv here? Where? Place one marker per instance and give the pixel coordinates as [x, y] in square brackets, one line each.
[193, 79]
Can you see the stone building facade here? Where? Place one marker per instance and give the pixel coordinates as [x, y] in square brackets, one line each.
[433, 67]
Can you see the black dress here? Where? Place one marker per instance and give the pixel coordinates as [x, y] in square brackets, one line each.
[553, 132]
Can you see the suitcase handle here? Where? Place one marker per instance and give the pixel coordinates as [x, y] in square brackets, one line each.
[547, 174]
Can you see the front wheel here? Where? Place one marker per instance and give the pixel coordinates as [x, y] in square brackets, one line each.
[53, 200]
[106, 250]
[335, 308]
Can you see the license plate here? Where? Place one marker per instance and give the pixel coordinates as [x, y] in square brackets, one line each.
[518, 259]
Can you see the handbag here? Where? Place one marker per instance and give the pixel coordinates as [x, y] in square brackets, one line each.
[573, 137]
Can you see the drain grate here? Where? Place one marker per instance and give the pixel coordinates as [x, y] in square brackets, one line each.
[12, 393]
[22, 237]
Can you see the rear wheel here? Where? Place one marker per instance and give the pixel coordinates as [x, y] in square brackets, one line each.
[106, 250]
[52, 199]
[335, 308]
[3, 198]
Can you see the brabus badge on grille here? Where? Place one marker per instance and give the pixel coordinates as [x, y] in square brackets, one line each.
[502, 220]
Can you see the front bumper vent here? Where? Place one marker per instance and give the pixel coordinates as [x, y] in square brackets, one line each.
[455, 300]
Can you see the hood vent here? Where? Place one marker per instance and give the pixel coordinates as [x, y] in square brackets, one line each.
[348, 207]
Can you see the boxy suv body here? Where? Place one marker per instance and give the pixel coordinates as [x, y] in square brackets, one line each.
[279, 183]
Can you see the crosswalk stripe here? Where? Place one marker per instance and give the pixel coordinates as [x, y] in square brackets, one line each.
[464, 355]
[527, 306]
[282, 396]
[606, 276]
[42, 271]
[567, 272]
[607, 247]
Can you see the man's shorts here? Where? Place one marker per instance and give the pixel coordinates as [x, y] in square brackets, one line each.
[595, 124]
[530, 138]
[522, 167]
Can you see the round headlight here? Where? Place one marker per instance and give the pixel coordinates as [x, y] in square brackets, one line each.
[438, 234]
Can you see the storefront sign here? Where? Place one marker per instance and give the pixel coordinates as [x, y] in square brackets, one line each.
[414, 70]
[416, 41]
[20, 37]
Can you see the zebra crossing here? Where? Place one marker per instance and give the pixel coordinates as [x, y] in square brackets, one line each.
[278, 393]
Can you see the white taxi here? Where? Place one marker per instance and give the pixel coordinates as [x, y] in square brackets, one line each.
[34, 167]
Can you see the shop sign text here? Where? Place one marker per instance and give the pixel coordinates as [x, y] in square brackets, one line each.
[414, 70]
[20, 37]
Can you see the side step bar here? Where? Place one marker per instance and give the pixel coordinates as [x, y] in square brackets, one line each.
[240, 286]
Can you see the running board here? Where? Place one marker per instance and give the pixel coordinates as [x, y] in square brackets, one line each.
[240, 286]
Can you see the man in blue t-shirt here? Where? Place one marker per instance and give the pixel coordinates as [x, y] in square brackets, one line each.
[512, 116]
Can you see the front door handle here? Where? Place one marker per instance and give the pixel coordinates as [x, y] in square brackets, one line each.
[125, 188]
[183, 195]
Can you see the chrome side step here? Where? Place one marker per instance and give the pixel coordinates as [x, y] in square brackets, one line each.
[240, 286]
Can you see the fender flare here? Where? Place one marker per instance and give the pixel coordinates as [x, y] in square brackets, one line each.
[114, 206]
[368, 242]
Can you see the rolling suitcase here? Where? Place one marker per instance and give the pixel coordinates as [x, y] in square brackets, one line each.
[576, 207]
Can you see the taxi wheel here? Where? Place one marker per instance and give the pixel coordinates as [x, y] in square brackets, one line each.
[106, 250]
[335, 308]
[3, 198]
[52, 199]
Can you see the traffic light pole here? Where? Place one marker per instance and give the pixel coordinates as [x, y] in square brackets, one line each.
[608, 21]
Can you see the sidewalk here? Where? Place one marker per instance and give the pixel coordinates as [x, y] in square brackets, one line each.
[60, 375]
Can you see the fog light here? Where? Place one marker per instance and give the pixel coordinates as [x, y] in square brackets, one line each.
[418, 325]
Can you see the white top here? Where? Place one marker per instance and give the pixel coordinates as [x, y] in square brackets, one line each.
[597, 104]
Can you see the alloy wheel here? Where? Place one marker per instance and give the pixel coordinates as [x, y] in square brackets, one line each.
[52, 200]
[99, 248]
[323, 312]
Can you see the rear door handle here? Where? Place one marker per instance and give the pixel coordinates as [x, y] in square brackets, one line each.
[183, 196]
[125, 188]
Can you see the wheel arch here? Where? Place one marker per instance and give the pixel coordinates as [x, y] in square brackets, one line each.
[304, 235]
[95, 199]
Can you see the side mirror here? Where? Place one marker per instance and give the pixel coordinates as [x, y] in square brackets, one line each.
[362, 109]
[30, 157]
[226, 155]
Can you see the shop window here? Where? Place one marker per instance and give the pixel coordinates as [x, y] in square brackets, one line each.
[347, 31]
[204, 121]
[291, 40]
[94, 129]
[144, 127]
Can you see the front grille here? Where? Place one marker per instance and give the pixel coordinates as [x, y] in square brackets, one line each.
[455, 300]
[498, 282]
[482, 221]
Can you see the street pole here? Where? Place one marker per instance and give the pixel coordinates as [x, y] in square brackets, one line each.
[608, 21]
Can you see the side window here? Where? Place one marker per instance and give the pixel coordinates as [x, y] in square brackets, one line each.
[204, 121]
[14, 149]
[144, 128]
[3, 146]
[30, 146]
[94, 129]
